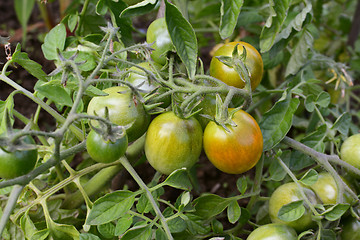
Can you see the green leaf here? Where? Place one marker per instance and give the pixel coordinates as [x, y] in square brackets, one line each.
[327, 234]
[233, 212]
[123, 225]
[55, 39]
[31, 66]
[106, 230]
[54, 91]
[342, 123]
[210, 205]
[241, 184]
[177, 225]
[27, 226]
[230, 10]
[278, 10]
[335, 212]
[63, 232]
[101, 7]
[300, 52]
[183, 37]
[41, 235]
[323, 99]
[277, 172]
[310, 103]
[309, 178]
[292, 211]
[88, 236]
[73, 21]
[110, 207]
[138, 233]
[7, 105]
[276, 123]
[23, 10]
[179, 179]
[139, 8]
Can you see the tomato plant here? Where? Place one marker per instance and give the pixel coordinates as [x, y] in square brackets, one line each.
[105, 150]
[276, 231]
[350, 150]
[124, 109]
[158, 34]
[237, 150]
[172, 143]
[228, 75]
[286, 194]
[19, 162]
[350, 229]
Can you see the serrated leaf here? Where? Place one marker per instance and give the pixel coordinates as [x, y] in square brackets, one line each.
[229, 11]
[278, 10]
[183, 37]
[31, 66]
[309, 178]
[300, 52]
[55, 39]
[110, 207]
[54, 91]
[233, 212]
[210, 205]
[292, 211]
[179, 179]
[276, 123]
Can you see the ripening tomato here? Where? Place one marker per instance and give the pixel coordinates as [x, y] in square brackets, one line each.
[228, 75]
[350, 150]
[17, 163]
[105, 151]
[288, 193]
[236, 151]
[172, 143]
[124, 109]
[350, 229]
[158, 34]
[273, 231]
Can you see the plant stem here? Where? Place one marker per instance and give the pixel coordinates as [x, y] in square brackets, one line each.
[143, 186]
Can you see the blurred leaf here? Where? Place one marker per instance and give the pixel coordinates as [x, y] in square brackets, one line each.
[292, 211]
[31, 66]
[233, 212]
[6, 106]
[327, 234]
[300, 52]
[323, 99]
[342, 123]
[23, 10]
[335, 212]
[229, 11]
[123, 224]
[210, 205]
[41, 235]
[276, 122]
[309, 178]
[63, 231]
[88, 236]
[106, 230]
[177, 225]
[139, 8]
[27, 226]
[138, 233]
[183, 37]
[278, 10]
[277, 172]
[55, 39]
[110, 207]
[241, 184]
[101, 7]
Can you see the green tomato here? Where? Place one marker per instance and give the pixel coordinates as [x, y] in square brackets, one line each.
[273, 231]
[288, 193]
[105, 151]
[172, 143]
[17, 163]
[350, 229]
[158, 34]
[124, 110]
[350, 150]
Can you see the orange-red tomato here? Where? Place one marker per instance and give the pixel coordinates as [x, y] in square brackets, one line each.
[236, 151]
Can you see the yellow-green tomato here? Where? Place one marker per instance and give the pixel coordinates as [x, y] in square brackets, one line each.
[288, 193]
[172, 143]
[158, 34]
[273, 231]
[350, 150]
[124, 110]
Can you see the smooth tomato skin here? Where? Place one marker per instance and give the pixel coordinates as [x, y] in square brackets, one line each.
[325, 188]
[351, 229]
[273, 231]
[286, 194]
[17, 163]
[350, 150]
[105, 151]
[158, 34]
[228, 75]
[124, 109]
[235, 152]
[172, 143]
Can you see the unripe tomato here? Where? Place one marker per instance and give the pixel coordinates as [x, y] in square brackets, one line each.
[17, 163]
[172, 142]
[273, 231]
[285, 194]
[351, 229]
[158, 34]
[228, 75]
[124, 109]
[236, 151]
[105, 151]
[350, 150]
